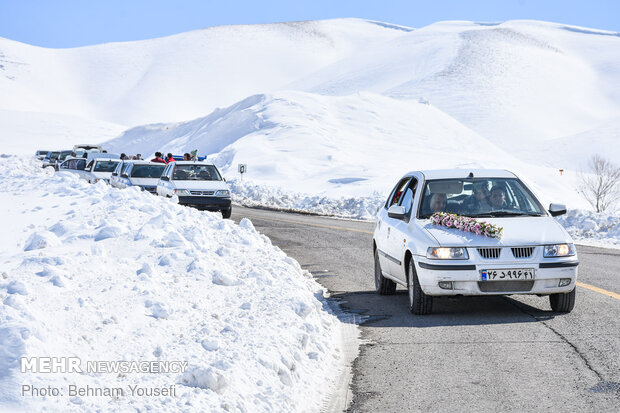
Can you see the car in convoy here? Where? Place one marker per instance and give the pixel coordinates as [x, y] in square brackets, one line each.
[100, 169]
[144, 174]
[50, 159]
[73, 165]
[81, 149]
[61, 157]
[41, 154]
[416, 244]
[198, 184]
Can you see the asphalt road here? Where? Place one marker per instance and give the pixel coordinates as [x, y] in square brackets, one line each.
[473, 354]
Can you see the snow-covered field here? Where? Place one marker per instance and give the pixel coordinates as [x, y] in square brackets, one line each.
[109, 275]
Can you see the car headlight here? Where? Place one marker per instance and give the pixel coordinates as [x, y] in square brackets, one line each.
[559, 250]
[182, 192]
[444, 253]
[223, 192]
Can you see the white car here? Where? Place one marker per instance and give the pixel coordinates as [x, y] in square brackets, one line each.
[74, 165]
[533, 255]
[144, 174]
[198, 184]
[100, 169]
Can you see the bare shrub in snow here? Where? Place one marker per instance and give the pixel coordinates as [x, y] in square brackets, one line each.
[601, 185]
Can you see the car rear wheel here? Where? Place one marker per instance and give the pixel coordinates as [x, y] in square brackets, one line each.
[419, 303]
[562, 302]
[383, 286]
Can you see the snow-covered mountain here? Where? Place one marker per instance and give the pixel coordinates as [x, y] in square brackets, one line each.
[334, 145]
[331, 107]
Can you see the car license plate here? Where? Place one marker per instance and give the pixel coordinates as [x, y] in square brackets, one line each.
[507, 274]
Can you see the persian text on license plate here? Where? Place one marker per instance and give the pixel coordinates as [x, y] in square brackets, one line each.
[507, 274]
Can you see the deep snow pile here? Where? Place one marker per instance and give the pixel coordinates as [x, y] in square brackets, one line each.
[256, 195]
[591, 228]
[108, 275]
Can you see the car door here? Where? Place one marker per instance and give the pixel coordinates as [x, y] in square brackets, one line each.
[400, 231]
[384, 225]
[161, 183]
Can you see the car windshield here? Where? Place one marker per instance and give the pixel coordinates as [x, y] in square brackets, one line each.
[147, 171]
[54, 155]
[482, 197]
[105, 166]
[196, 172]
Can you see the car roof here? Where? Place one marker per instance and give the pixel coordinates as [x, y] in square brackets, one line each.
[465, 173]
[142, 162]
[194, 162]
[106, 159]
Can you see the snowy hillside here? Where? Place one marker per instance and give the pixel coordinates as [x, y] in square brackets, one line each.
[332, 108]
[515, 80]
[336, 147]
[108, 275]
[178, 77]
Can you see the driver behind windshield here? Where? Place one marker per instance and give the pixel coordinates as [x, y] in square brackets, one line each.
[498, 198]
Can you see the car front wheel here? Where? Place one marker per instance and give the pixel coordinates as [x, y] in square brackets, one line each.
[562, 302]
[226, 213]
[419, 303]
[383, 286]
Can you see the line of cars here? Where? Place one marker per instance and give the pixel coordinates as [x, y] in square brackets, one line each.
[196, 183]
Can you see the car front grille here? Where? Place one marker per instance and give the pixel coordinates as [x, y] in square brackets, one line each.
[489, 253]
[505, 286]
[522, 252]
[151, 189]
[207, 193]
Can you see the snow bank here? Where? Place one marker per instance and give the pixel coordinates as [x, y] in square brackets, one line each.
[108, 275]
[256, 195]
[592, 228]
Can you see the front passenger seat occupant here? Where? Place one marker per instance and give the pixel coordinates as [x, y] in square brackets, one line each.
[438, 202]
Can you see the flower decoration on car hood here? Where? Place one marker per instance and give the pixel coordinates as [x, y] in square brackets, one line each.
[466, 224]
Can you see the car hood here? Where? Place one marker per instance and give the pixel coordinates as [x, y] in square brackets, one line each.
[144, 181]
[517, 231]
[201, 185]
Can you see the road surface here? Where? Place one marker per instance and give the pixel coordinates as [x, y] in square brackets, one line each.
[482, 354]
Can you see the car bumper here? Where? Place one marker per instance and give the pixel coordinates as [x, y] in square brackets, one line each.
[466, 279]
[149, 188]
[206, 202]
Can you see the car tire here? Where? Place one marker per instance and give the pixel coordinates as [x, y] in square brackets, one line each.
[419, 303]
[383, 286]
[562, 302]
[226, 213]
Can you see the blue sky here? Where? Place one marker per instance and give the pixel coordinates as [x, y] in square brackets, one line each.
[71, 23]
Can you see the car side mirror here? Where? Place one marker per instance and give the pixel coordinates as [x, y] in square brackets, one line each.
[397, 212]
[164, 178]
[557, 209]
[124, 176]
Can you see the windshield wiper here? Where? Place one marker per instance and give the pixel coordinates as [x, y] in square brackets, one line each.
[494, 214]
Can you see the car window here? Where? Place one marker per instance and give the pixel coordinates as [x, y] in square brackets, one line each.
[196, 172]
[147, 171]
[479, 197]
[125, 168]
[105, 166]
[397, 192]
[407, 199]
[117, 169]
